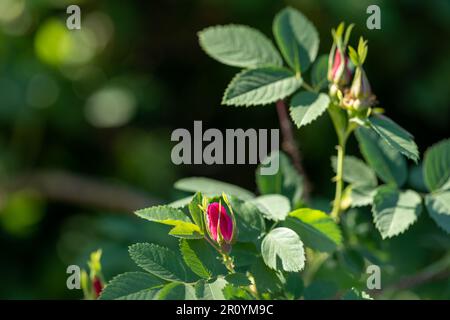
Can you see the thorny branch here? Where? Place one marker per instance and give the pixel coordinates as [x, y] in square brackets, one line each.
[289, 144]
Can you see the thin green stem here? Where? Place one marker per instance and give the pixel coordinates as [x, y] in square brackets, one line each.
[344, 127]
[228, 262]
[340, 172]
[339, 181]
[308, 87]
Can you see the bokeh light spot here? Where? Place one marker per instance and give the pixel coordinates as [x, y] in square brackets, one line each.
[110, 107]
[56, 45]
[11, 10]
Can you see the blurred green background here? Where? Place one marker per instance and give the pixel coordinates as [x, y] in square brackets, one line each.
[86, 118]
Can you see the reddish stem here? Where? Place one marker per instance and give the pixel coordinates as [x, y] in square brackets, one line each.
[289, 144]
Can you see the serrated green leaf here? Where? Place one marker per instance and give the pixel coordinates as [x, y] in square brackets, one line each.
[362, 195]
[249, 220]
[163, 214]
[316, 229]
[285, 244]
[196, 212]
[319, 72]
[201, 258]
[397, 137]
[211, 187]
[161, 262]
[183, 226]
[388, 163]
[395, 211]
[308, 106]
[239, 46]
[186, 231]
[177, 291]
[260, 86]
[132, 286]
[356, 171]
[436, 166]
[180, 203]
[273, 206]
[297, 38]
[192, 260]
[286, 181]
[210, 290]
[438, 207]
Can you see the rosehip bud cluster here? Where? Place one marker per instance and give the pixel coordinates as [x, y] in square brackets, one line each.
[342, 67]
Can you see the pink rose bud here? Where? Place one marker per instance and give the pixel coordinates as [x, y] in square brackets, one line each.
[220, 224]
[339, 72]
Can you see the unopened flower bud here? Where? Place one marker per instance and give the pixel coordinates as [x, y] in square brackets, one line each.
[360, 95]
[220, 224]
[339, 72]
[360, 86]
[334, 89]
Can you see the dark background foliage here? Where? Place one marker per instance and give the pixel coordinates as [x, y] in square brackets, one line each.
[141, 59]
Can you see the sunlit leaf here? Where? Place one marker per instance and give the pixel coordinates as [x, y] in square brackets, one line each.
[260, 86]
[438, 206]
[395, 211]
[308, 106]
[397, 137]
[436, 166]
[239, 46]
[316, 229]
[133, 286]
[211, 187]
[161, 262]
[297, 38]
[283, 244]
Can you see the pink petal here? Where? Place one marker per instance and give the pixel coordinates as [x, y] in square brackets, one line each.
[226, 223]
[213, 219]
